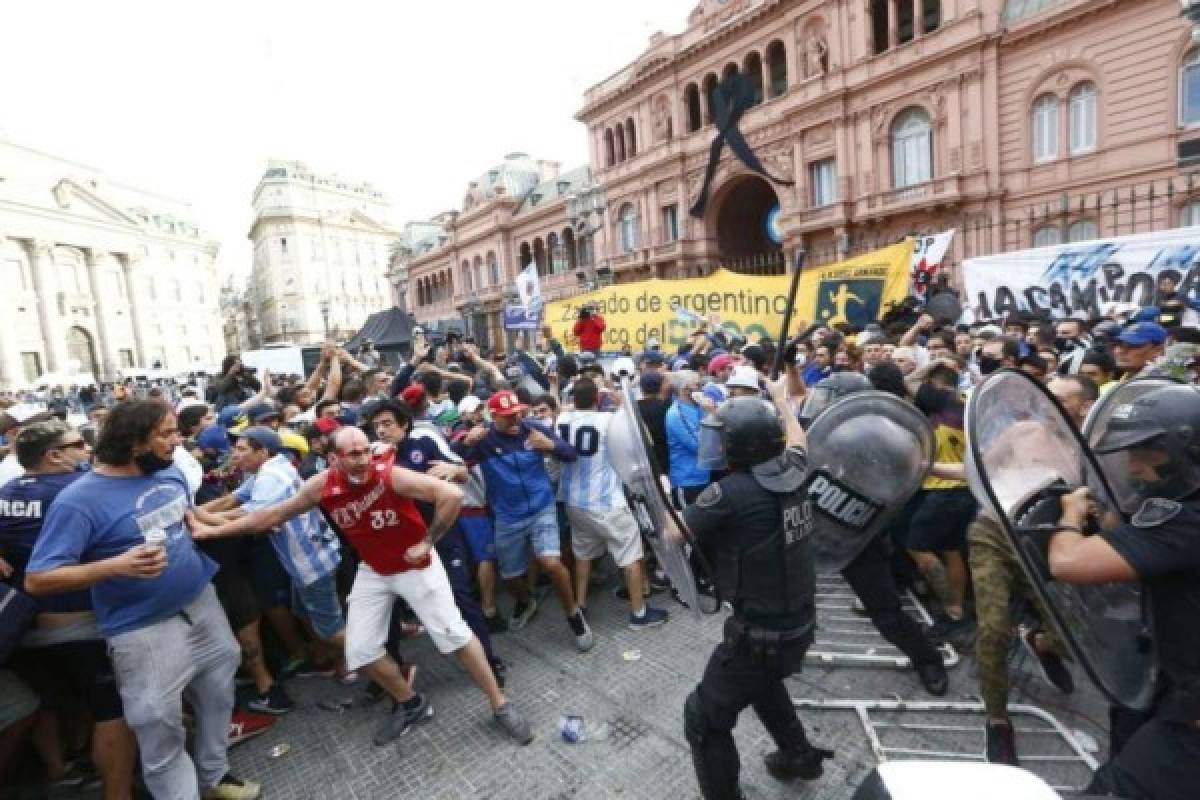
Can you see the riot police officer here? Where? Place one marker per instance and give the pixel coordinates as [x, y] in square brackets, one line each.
[756, 525]
[1153, 755]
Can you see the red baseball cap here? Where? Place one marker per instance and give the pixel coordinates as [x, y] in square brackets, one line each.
[723, 361]
[505, 404]
[327, 425]
[413, 395]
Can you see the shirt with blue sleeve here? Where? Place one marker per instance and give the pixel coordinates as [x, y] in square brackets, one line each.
[102, 516]
[306, 547]
[24, 502]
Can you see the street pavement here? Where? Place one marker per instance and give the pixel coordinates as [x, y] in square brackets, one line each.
[633, 704]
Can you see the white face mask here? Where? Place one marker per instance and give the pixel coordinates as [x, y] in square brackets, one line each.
[801, 359]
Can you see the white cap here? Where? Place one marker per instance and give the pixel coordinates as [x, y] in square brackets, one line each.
[469, 404]
[744, 377]
[624, 366]
[189, 402]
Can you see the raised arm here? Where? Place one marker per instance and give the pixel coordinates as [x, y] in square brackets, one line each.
[445, 498]
[265, 519]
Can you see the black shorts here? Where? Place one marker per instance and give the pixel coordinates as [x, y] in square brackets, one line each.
[939, 524]
[236, 595]
[272, 585]
[69, 671]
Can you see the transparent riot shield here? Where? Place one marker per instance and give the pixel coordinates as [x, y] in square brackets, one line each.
[1023, 455]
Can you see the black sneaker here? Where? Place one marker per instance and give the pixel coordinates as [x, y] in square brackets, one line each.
[1053, 670]
[522, 613]
[273, 701]
[948, 629]
[788, 765]
[402, 719]
[933, 677]
[1001, 744]
[584, 638]
[495, 623]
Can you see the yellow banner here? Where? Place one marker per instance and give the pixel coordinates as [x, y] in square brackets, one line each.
[851, 292]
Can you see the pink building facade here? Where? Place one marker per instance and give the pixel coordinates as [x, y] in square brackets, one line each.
[1016, 122]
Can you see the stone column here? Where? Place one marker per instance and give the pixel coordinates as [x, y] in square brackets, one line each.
[11, 369]
[917, 22]
[100, 307]
[46, 284]
[893, 9]
[132, 268]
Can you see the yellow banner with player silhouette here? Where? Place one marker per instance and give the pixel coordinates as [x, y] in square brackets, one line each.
[852, 292]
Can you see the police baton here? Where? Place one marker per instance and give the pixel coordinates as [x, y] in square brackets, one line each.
[781, 346]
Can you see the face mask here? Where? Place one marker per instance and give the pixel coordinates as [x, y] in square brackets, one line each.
[149, 463]
[989, 364]
[839, 368]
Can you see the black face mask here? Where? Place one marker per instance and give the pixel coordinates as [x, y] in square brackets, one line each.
[932, 400]
[840, 368]
[989, 364]
[149, 463]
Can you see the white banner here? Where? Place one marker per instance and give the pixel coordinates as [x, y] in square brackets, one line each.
[1086, 278]
[529, 289]
[928, 254]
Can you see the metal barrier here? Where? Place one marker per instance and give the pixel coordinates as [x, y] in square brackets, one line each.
[846, 636]
[1044, 746]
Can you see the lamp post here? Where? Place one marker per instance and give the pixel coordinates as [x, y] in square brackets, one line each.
[325, 316]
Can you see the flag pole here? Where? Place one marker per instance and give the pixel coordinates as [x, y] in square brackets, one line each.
[781, 345]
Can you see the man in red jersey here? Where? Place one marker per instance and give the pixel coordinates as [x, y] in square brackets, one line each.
[372, 502]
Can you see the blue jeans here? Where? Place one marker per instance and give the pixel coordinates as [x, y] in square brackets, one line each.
[514, 540]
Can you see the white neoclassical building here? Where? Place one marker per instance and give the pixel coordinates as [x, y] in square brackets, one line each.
[97, 276]
[321, 247]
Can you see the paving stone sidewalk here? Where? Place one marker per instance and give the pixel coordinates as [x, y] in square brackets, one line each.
[461, 753]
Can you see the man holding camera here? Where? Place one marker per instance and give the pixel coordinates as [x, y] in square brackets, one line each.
[589, 329]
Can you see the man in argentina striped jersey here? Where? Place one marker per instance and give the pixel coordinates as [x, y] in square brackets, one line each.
[600, 517]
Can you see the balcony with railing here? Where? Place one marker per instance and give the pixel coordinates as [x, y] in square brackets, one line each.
[945, 191]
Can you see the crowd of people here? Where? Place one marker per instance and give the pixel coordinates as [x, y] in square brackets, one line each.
[255, 529]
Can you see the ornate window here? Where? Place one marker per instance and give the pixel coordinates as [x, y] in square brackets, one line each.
[709, 86]
[1044, 128]
[630, 137]
[823, 176]
[628, 223]
[912, 148]
[1083, 230]
[1082, 102]
[1189, 89]
[1047, 236]
[691, 99]
[754, 71]
[493, 269]
[610, 153]
[777, 68]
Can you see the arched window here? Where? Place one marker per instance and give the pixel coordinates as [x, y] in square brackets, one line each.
[709, 86]
[620, 137]
[525, 257]
[1047, 236]
[477, 269]
[754, 71]
[629, 222]
[691, 99]
[730, 69]
[539, 257]
[1190, 214]
[630, 137]
[777, 67]
[912, 148]
[610, 153]
[568, 246]
[1189, 89]
[466, 276]
[493, 269]
[558, 260]
[1043, 128]
[1082, 102]
[1083, 230]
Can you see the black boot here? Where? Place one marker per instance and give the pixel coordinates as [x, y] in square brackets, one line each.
[933, 677]
[788, 765]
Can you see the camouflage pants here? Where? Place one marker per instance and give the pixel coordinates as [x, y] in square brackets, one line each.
[996, 574]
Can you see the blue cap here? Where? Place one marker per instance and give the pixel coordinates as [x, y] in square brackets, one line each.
[228, 415]
[1143, 333]
[1146, 314]
[654, 357]
[261, 412]
[214, 437]
[264, 437]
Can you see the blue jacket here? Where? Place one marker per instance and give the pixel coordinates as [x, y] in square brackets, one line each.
[683, 439]
[518, 486]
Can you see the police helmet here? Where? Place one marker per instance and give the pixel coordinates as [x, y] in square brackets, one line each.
[829, 390]
[1165, 420]
[753, 431]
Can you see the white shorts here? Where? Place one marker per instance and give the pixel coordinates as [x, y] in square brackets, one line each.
[592, 532]
[427, 592]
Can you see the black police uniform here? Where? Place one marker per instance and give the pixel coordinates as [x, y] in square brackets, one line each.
[1156, 755]
[761, 543]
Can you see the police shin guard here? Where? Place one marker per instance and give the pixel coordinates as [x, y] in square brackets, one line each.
[714, 754]
[800, 760]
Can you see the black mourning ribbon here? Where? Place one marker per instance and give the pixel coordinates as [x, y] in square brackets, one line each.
[732, 98]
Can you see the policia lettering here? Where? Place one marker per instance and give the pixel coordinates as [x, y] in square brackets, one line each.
[841, 502]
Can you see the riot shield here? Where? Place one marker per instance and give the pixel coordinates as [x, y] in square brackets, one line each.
[868, 454]
[629, 451]
[1116, 465]
[1023, 455]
